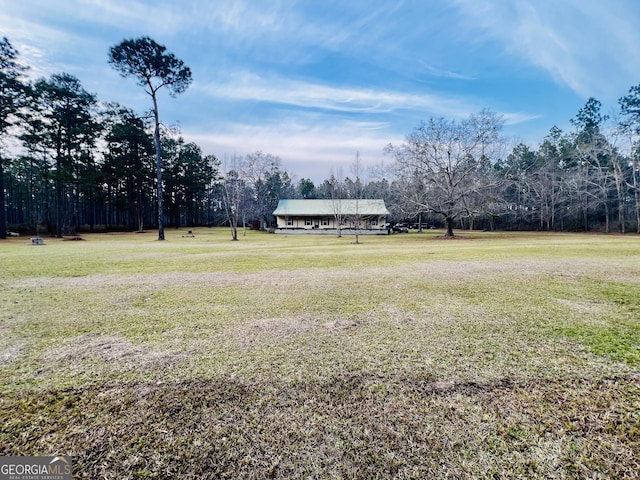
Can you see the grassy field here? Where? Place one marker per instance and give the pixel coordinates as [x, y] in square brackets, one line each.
[498, 355]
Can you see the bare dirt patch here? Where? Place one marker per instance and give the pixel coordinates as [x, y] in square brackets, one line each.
[450, 237]
[268, 331]
[585, 307]
[9, 354]
[120, 353]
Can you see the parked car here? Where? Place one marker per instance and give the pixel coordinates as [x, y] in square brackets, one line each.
[401, 228]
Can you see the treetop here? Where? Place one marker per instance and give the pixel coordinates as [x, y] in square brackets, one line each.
[146, 60]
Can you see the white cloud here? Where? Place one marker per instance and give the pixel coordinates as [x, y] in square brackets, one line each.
[443, 72]
[518, 118]
[309, 145]
[31, 40]
[587, 45]
[395, 65]
[306, 149]
[310, 95]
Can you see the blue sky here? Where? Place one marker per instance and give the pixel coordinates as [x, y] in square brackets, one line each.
[314, 82]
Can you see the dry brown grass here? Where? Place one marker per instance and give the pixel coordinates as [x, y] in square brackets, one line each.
[311, 358]
[345, 426]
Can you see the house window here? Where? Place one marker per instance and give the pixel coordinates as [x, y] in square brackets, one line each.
[308, 221]
[289, 221]
[374, 221]
[325, 221]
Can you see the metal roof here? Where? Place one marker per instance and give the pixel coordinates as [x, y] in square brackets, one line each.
[330, 207]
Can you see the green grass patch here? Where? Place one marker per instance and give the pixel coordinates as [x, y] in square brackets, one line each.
[615, 330]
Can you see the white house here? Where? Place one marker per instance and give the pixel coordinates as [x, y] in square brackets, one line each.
[324, 216]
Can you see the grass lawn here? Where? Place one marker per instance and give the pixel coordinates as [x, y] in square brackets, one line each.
[498, 355]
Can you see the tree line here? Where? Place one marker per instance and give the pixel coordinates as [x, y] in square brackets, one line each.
[70, 162]
[583, 180]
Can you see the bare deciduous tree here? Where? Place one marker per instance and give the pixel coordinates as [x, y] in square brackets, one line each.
[355, 217]
[337, 192]
[235, 192]
[448, 164]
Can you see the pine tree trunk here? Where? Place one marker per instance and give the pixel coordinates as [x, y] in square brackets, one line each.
[156, 138]
[3, 217]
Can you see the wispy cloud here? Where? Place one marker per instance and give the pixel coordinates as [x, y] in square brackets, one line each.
[314, 82]
[518, 118]
[580, 43]
[304, 145]
[443, 72]
[313, 95]
[309, 143]
[34, 43]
